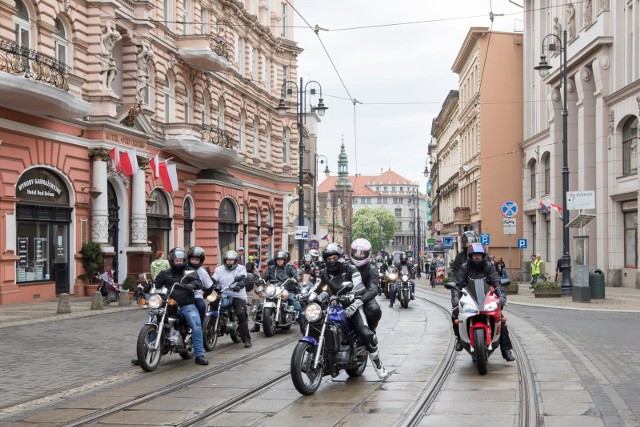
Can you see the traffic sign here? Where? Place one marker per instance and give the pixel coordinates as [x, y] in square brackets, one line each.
[509, 209]
[301, 232]
[522, 243]
[438, 226]
[485, 239]
[448, 242]
[431, 241]
[314, 244]
[509, 225]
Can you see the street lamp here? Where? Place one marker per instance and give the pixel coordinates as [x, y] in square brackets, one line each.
[543, 68]
[327, 172]
[301, 100]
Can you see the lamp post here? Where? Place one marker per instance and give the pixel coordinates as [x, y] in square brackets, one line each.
[432, 162]
[315, 190]
[544, 67]
[301, 100]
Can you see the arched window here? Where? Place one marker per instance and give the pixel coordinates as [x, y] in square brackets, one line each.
[186, 104]
[546, 160]
[23, 28]
[159, 222]
[532, 179]
[630, 147]
[61, 43]
[286, 148]
[187, 213]
[227, 226]
[169, 96]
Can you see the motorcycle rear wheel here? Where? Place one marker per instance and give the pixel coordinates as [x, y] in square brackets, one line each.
[148, 359]
[480, 352]
[269, 322]
[305, 379]
[359, 370]
[210, 335]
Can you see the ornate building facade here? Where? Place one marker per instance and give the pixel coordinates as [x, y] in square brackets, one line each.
[193, 82]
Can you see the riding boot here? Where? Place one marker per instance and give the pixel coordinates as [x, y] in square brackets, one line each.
[377, 365]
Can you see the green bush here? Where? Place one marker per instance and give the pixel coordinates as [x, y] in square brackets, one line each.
[545, 284]
[92, 260]
[129, 283]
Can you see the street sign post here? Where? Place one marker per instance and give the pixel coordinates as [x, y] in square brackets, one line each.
[485, 239]
[509, 209]
[522, 243]
[314, 244]
[448, 242]
[438, 226]
[509, 225]
[301, 232]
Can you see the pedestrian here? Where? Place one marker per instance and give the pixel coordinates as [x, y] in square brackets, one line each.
[558, 268]
[503, 269]
[534, 269]
[159, 264]
[241, 255]
[541, 273]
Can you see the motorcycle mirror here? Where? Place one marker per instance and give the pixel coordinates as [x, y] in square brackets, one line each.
[505, 282]
[450, 285]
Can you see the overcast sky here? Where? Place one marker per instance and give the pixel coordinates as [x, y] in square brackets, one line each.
[401, 73]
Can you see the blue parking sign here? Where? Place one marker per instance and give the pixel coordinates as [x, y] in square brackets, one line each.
[485, 239]
[448, 242]
[522, 243]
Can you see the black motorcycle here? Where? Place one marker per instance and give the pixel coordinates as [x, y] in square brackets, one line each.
[220, 320]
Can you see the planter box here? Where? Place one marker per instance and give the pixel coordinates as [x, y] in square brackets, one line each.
[547, 292]
[512, 289]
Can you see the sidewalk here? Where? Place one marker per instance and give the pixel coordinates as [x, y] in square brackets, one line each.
[616, 299]
[25, 314]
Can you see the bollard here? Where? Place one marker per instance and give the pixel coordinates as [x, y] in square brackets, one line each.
[123, 299]
[63, 304]
[96, 301]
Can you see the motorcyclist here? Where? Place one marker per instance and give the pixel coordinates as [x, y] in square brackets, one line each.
[467, 238]
[478, 267]
[337, 271]
[184, 296]
[196, 257]
[231, 275]
[308, 267]
[360, 252]
[280, 273]
[403, 267]
[315, 257]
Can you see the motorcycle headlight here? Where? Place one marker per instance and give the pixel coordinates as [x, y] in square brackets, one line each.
[271, 291]
[259, 289]
[155, 301]
[492, 306]
[405, 278]
[393, 277]
[313, 312]
[284, 295]
[212, 297]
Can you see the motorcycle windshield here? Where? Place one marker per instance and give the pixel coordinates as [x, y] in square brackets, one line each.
[478, 289]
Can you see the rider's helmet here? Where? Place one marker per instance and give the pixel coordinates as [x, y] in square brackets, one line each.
[230, 260]
[307, 260]
[403, 258]
[476, 248]
[335, 266]
[177, 254]
[315, 255]
[284, 255]
[196, 252]
[360, 252]
[467, 238]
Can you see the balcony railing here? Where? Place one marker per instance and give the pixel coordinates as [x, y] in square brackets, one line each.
[31, 64]
[219, 137]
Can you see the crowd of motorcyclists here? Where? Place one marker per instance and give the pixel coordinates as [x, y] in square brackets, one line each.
[327, 269]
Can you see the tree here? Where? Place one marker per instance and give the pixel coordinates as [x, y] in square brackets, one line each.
[377, 225]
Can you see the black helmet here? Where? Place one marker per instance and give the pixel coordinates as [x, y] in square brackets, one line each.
[175, 254]
[232, 255]
[467, 238]
[476, 248]
[282, 255]
[403, 258]
[334, 267]
[196, 252]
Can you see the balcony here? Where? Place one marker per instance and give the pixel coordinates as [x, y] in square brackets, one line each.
[205, 148]
[37, 84]
[204, 52]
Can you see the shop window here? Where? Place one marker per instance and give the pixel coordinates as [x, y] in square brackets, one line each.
[227, 226]
[159, 222]
[630, 147]
[43, 216]
[631, 239]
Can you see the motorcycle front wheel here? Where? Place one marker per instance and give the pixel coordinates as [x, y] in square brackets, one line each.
[209, 332]
[480, 351]
[305, 378]
[149, 359]
[405, 301]
[269, 322]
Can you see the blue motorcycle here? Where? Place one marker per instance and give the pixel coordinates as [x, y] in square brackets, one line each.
[329, 346]
[220, 319]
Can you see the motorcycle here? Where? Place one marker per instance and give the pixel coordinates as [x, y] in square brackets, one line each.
[166, 331]
[220, 319]
[390, 278]
[480, 320]
[274, 311]
[329, 344]
[403, 289]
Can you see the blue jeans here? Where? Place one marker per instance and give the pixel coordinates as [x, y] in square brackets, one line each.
[191, 315]
[295, 303]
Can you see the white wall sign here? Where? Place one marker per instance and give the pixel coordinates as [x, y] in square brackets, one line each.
[577, 200]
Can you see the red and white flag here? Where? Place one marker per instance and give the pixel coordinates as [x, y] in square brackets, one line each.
[129, 162]
[115, 156]
[154, 164]
[169, 176]
[556, 208]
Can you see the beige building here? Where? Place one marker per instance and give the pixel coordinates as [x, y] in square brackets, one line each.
[475, 148]
[603, 75]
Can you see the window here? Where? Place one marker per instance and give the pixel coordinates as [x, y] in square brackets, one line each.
[283, 19]
[167, 18]
[355, 200]
[61, 45]
[532, 179]
[220, 116]
[285, 73]
[188, 223]
[242, 131]
[398, 213]
[630, 147]
[256, 139]
[227, 226]
[630, 239]
[186, 104]
[286, 148]
[159, 222]
[547, 174]
[169, 114]
[534, 233]
[240, 54]
[267, 76]
[186, 20]
[267, 145]
[255, 58]
[204, 21]
[22, 28]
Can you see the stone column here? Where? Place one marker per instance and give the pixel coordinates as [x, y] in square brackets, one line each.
[99, 206]
[138, 253]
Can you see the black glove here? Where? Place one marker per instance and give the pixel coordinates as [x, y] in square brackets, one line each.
[237, 287]
[187, 286]
[238, 279]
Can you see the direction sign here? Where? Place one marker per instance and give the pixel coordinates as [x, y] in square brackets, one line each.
[577, 200]
[509, 209]
[301, 232]
[314, 244]
[509, 225]
[522, 243]
[448, 242]
[438, 226]
[485, 239]
[431, 241]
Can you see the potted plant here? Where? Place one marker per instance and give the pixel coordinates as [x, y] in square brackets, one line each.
[546, 289]
[129, 285]
[92, 262]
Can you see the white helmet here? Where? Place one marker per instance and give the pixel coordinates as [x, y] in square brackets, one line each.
[360, 252]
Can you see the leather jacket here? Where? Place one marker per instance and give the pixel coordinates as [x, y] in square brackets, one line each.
[183, 295]
[370, 280]
[281, 274]
[467, 271]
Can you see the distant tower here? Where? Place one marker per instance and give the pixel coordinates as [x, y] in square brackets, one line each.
[343, 182]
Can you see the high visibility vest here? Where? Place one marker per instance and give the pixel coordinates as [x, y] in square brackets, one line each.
[535, 269]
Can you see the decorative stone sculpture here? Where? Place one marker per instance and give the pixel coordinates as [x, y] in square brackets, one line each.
[571, 21]
[145, 54]
[108, 40]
